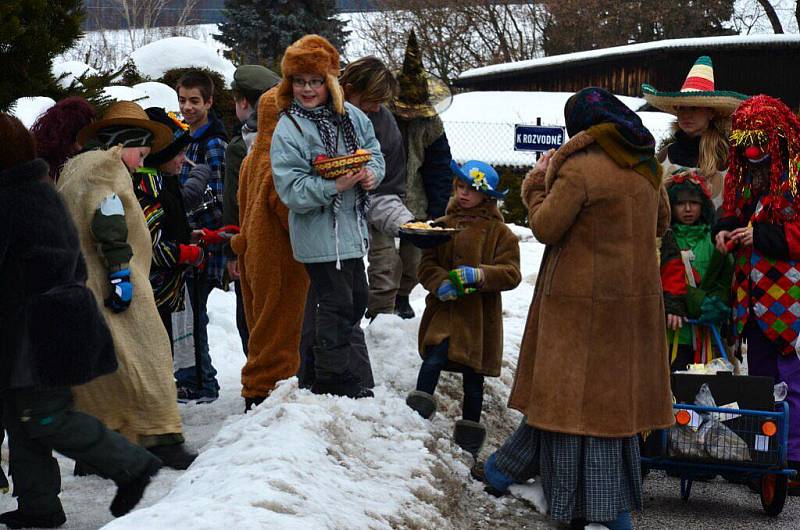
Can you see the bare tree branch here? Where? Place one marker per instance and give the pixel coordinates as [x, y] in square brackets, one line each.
[772, 15]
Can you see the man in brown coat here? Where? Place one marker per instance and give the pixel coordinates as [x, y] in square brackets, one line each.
[593, 367]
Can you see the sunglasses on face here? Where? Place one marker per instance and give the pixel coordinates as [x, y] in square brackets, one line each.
[301, 83]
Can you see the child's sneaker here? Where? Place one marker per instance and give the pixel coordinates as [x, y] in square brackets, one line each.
[422, 402]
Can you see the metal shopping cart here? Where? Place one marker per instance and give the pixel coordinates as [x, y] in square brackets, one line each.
[745, 440]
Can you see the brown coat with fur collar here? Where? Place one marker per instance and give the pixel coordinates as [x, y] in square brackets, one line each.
[473, 323]
[593, 360]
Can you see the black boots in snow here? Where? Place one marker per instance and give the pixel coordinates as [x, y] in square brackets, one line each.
[20, 519]
[345, 385]
[422, 402]
[175, 456]
[129, 494]
[469, 436]
[402, 307]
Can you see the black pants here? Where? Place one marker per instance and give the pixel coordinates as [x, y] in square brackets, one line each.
[166, 319]
[241, 322]
[341, 301]
[435, 361]
[40, 421]
[683, 358]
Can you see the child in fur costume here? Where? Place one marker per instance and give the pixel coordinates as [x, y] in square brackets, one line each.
[327, 218]
[696, 277]
[760, 224]
[462, 326]
[273, 283]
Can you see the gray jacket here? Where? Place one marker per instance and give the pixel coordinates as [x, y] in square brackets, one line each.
[309, 197]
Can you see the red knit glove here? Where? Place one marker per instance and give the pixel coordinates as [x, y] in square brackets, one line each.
[220, 235]
[191, 255]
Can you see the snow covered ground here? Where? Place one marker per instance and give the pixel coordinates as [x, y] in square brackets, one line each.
[306, 461]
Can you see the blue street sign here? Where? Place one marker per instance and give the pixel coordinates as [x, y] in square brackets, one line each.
[537, 138]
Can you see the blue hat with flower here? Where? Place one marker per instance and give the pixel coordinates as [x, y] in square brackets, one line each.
[480, 176]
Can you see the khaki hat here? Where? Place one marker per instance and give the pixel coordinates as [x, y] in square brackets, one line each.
[254, 78]
[128, 113]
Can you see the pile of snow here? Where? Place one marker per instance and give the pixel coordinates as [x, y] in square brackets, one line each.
[28, 110]
[156, 58]
[480, 125]
[124, 93]
[73, 70]
[158, 95]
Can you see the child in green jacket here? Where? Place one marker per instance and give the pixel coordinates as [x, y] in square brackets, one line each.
[695, 277]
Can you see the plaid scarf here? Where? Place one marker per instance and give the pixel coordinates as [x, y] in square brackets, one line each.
[328, 123]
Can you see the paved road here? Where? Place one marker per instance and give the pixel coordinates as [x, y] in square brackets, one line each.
[713, 505]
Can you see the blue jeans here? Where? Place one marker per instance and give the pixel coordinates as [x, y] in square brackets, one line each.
[187, 377]
[435, 361]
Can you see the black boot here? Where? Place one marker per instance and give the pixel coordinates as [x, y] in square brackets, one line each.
[402, 307]
[422, 402]
[249, 403]
[129, 494]
[469, 436]
[346, 385]
[19, 519]
[174, 456]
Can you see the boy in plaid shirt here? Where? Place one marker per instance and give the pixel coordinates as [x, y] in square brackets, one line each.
[209, 140]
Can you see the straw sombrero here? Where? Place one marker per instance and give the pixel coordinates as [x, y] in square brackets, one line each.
[421, 94]
[128, 113]
[697, 91]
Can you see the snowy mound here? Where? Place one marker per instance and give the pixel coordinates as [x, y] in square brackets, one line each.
[73, 70]
[154, 59]
[124, 93]
[305, 461]
[27, 110]
[158, 95]
[480, 125]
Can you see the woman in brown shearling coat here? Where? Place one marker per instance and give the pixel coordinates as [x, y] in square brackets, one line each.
[593, 366]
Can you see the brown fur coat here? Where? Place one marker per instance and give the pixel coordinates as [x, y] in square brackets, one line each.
[593, 360]
[473, 323]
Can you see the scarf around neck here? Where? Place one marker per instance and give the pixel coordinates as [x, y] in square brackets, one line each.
[639, 158]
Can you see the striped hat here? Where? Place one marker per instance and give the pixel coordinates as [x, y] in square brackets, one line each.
[697, 91]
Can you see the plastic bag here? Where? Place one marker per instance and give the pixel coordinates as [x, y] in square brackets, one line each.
[712, 439]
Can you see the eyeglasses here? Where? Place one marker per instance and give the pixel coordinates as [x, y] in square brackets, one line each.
[301, 83]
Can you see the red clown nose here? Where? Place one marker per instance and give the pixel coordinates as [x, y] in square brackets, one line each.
[753, 152]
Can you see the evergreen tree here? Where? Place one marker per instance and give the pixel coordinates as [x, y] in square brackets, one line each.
[32, 33]
[258, 31]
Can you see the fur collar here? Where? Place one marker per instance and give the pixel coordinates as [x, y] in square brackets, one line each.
[577, 143]
[30, 171]
[486, 210]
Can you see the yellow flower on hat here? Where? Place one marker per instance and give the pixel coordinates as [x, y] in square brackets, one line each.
[478, 179]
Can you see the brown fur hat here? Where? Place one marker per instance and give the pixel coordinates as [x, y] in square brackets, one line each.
[311, 54]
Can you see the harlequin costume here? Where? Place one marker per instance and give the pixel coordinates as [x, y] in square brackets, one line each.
[761, 191]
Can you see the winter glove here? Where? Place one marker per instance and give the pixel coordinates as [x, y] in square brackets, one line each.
[446, 291]
[220, 235]
[121, 291]
[713, 311]
[191, 255]
[466, 279]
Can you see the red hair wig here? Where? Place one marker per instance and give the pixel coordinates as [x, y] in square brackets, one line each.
[17, 142]
[56, 131]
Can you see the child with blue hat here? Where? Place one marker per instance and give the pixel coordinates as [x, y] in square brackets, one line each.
[462, 326]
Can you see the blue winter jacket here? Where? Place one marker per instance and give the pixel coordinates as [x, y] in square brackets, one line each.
[309, 197]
